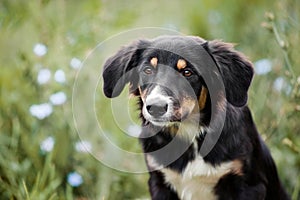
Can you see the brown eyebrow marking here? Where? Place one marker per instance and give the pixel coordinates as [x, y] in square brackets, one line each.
[154, 61]
[181, 64]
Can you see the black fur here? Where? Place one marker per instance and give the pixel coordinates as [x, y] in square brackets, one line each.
[239, 139]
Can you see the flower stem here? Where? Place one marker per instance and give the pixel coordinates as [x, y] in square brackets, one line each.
[283, 46]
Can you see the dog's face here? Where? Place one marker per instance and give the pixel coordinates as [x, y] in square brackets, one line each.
[170, 83]
[169, 87]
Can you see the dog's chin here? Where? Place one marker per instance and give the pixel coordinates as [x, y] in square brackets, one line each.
[163, 123]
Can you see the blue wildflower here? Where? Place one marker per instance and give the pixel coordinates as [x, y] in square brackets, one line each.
[74, 179]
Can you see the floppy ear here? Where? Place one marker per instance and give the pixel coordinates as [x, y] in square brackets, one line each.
[118, 69]
[235, 69]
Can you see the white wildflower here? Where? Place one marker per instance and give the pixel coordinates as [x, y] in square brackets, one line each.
[58, 98]
[83, 146]
[47, 144]
[60, 76]
[41, 111]
[262, 66]
[75, 63]
[134, 130]
[44, 76]
[40, 49]
[280, 84]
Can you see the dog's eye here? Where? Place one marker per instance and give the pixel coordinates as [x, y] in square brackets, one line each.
[186, 73]
[148, 70]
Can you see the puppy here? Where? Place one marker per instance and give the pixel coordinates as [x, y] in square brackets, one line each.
[199, 139]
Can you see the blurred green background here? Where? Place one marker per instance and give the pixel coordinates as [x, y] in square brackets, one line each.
[43, 44]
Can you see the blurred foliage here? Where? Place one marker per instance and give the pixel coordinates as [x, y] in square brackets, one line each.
[69, 30]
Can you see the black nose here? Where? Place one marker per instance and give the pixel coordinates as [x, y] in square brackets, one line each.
[157, 110]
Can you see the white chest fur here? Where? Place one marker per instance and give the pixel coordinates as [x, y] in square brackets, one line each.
[199, 178]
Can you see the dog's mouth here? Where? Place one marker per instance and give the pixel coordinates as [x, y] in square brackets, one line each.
[163, 122]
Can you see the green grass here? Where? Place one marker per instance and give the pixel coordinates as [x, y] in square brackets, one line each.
[71, 29]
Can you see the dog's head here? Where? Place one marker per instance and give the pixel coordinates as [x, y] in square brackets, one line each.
[169, 74]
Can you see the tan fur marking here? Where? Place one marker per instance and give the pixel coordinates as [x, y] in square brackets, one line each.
[237, 167]
[173, 129]
[181, 64]
[154, 61]
[188, 105]
[202, 98]
[142, 93]
[221, 105]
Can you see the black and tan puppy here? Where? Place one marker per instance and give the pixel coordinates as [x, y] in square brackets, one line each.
[199, 139]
